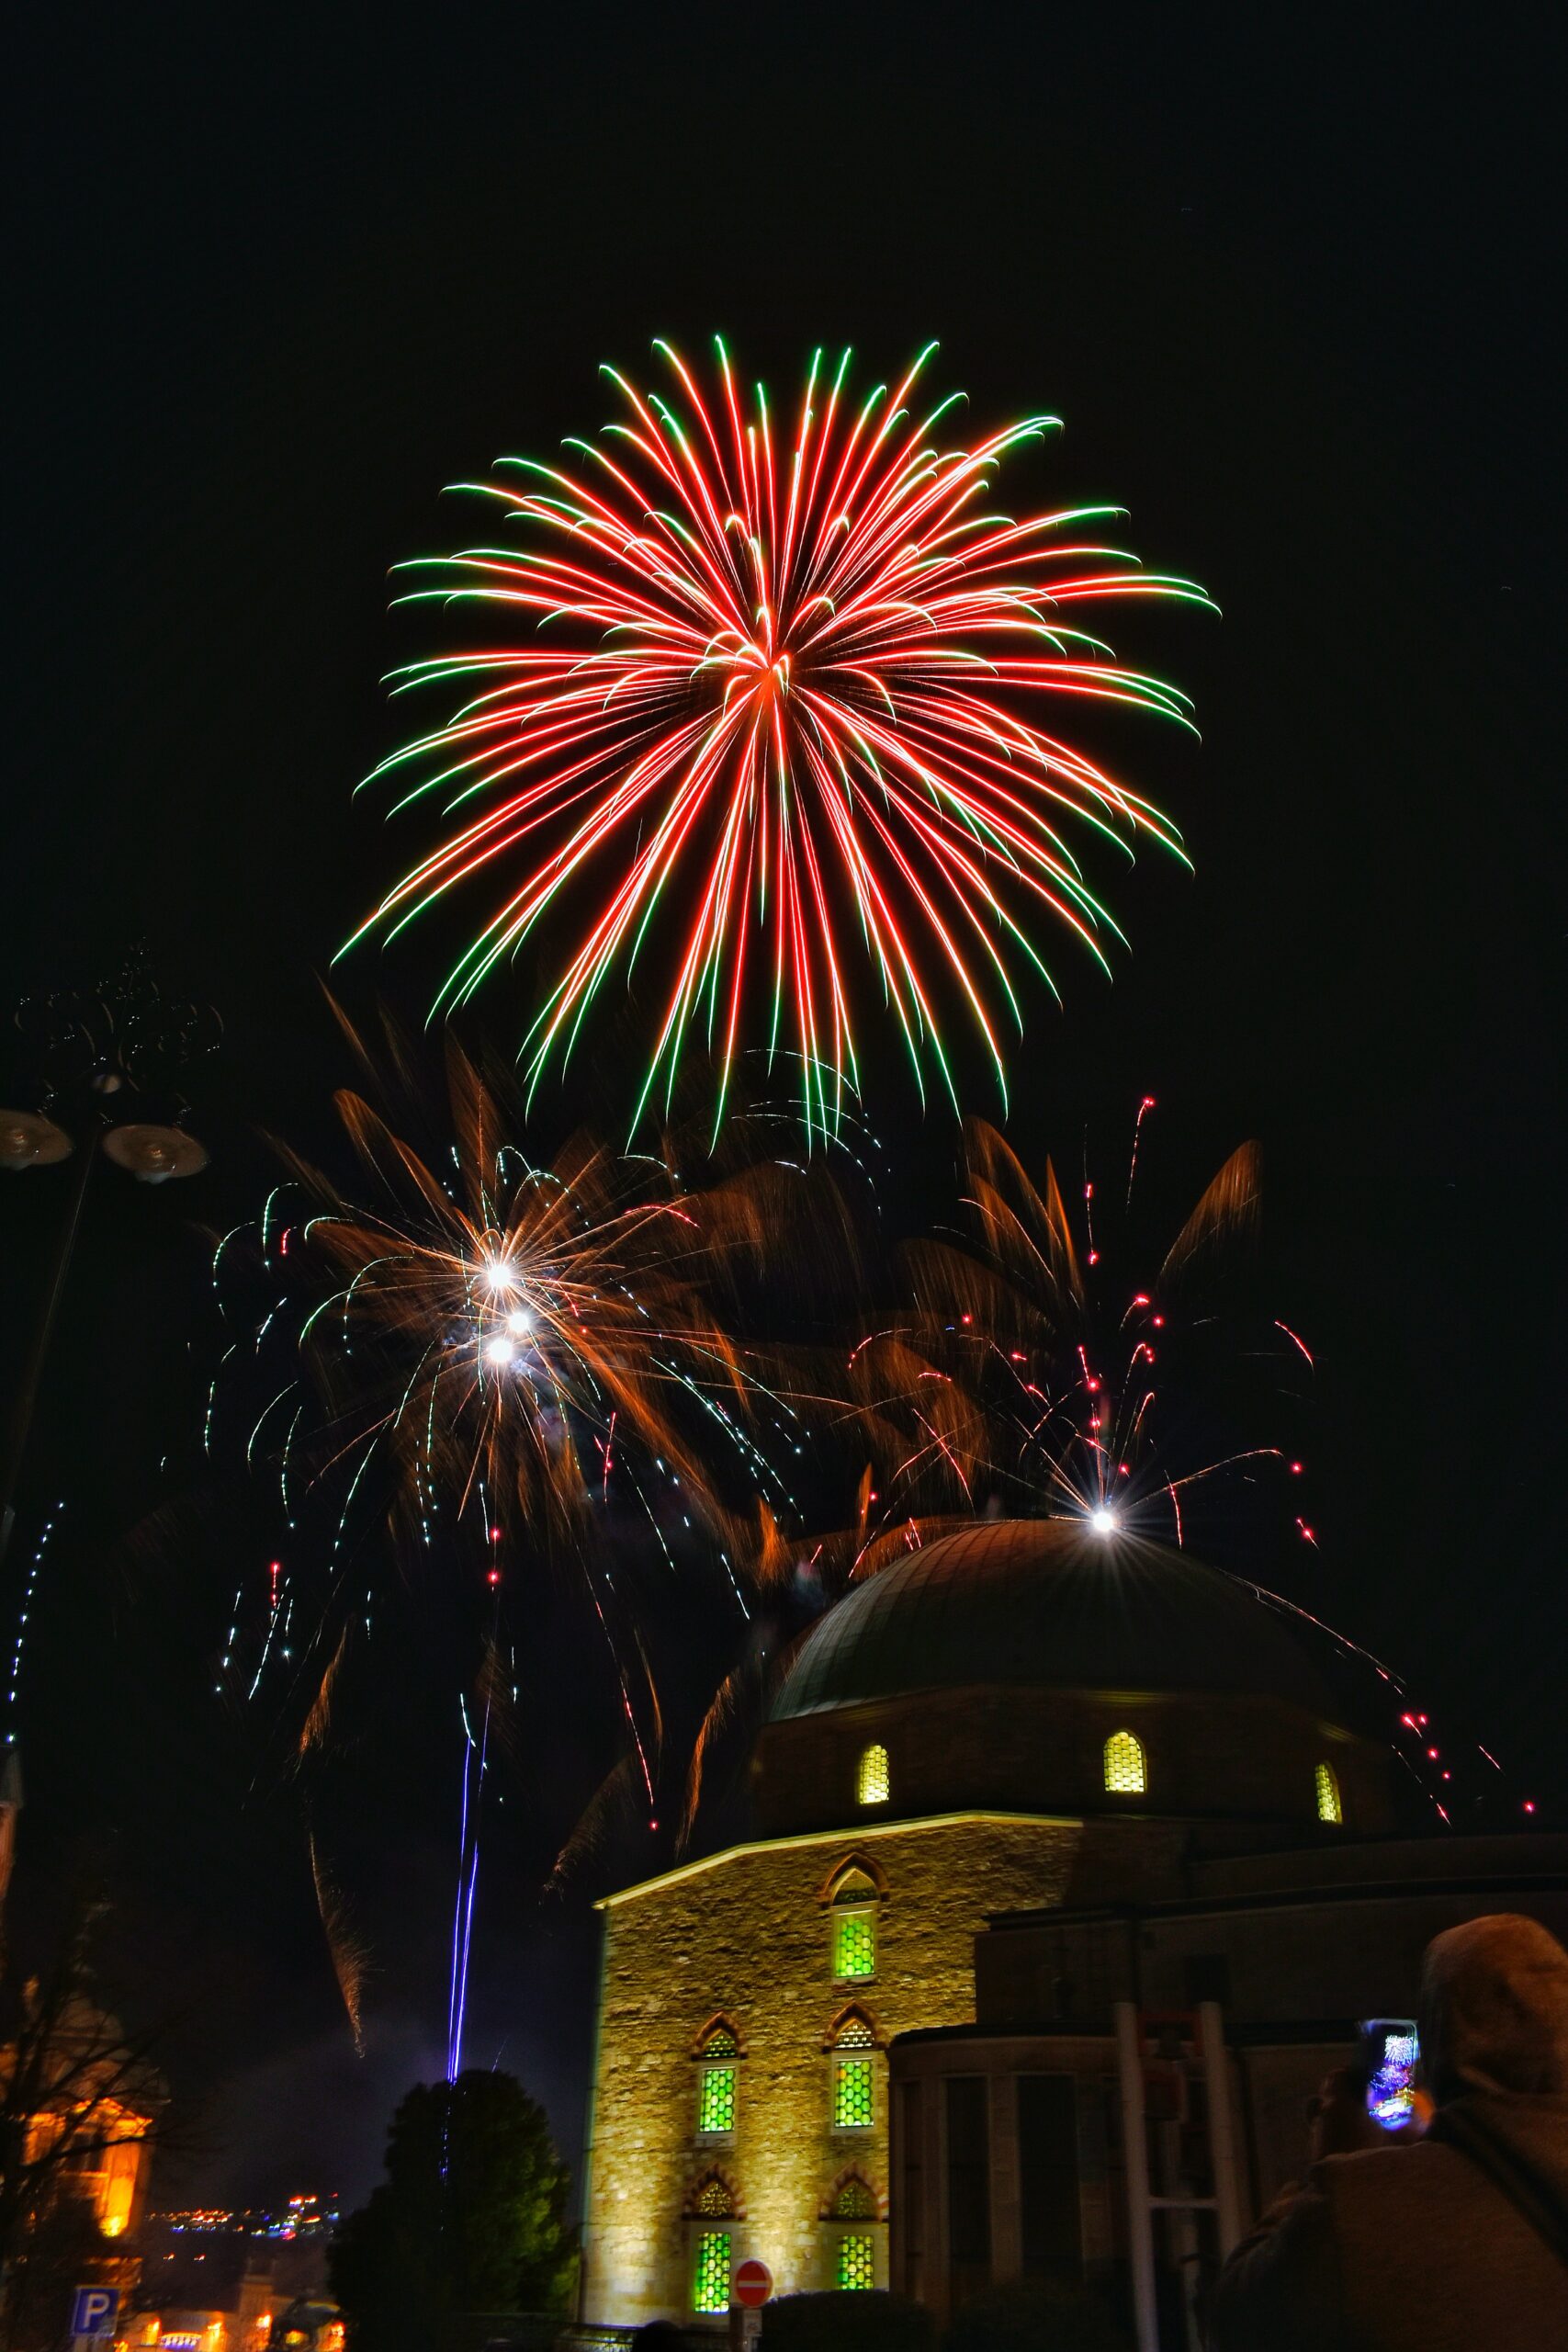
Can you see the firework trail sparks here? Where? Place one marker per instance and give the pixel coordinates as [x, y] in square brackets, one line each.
[788, 703]
[24, 1613]
[474, 1344]
[1027, 1375]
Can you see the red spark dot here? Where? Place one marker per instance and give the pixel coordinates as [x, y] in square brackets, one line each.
[968, 1318]
[1094, 1257]
[1447, 1774]
[1142, 1299]
[1421, 1719]
[1093, 1386]
[496, 1535]
[1530, 1804]
[1433, 1754]
[1123, 1470]
[1308, 1534]
[494, 1577]
[1089, 1192]
[1408, 1721]
[1148, 1103]
[1296, 1468]
[1159, 1322]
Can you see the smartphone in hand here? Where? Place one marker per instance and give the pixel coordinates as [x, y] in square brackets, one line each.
[1391, 2050]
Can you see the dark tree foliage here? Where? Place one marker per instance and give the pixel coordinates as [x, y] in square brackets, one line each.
[472, 2217]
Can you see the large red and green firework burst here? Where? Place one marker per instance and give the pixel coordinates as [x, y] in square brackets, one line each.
[785, 707]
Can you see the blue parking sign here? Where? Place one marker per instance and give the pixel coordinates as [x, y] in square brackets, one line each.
[95, 2311]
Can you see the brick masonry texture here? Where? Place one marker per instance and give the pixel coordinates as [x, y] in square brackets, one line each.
[749, 1934]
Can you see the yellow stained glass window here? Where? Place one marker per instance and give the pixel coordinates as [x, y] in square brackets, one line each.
[715, 2200]
[710, 2278]
[855, 2033]
[720, 2042]
[716, 2100]
[872, 1785]
[1329, 1806]
[851, 2093]
[857, 2261]
[1124, 1772]
[855, 1944]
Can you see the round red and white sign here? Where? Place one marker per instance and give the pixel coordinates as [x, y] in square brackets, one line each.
[752, 2284]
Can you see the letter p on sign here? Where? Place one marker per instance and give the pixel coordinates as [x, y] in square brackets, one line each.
[95, 2311]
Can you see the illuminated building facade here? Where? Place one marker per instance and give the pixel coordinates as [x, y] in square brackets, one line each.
[1070, 1879]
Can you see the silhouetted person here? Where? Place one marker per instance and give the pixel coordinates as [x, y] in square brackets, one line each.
[1456, 2242]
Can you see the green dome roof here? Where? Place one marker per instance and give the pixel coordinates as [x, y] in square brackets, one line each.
[1047, 1604]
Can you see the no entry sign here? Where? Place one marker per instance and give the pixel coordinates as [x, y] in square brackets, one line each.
[752, 2284]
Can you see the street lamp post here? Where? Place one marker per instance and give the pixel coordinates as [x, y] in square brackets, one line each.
[100, 1055]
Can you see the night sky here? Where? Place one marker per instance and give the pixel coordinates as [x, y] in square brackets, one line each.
[280, 276]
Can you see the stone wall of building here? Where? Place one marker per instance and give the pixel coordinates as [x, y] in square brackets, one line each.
[747, 1935]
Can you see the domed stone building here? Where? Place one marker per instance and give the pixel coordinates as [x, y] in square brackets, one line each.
[1025, 1722]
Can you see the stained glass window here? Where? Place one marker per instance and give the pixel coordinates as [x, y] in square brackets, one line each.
[851, 2093]
[1329, 1806]
[715, 2200]
[857, 2261]
[855, 1944]
[710, 2281]
[855, 2033]
[716, 2100]
[720, 2043]
[871, 1786]
[1125, 1774]
[855, 2201]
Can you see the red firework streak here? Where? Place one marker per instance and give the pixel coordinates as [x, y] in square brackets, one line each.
[782, 706]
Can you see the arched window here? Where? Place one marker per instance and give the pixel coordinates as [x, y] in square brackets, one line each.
[872, 1785]
[1125, 1775]
[854, 2073]
[853, 1908]
[1329, 1806]
[717, 2048]
[855, 2200]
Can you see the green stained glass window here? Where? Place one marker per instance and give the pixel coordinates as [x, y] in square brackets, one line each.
[716, 2102]
[857, 2261]
[854, 1943]
[1329, 1806]
[710, 2279]
[851, 2093]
